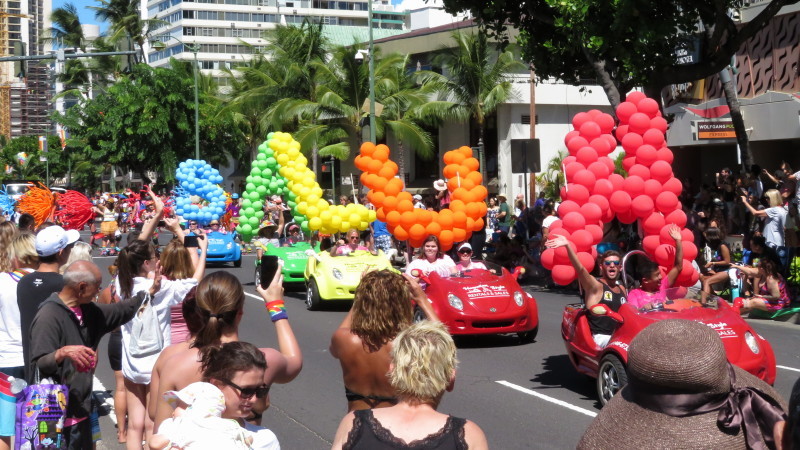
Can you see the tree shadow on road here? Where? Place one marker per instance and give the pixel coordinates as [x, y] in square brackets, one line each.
[557, 370]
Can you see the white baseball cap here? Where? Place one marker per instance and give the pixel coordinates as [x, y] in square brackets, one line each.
[53, 239]
[417, 197]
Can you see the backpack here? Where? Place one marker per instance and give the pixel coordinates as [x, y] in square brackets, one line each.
[146, 337]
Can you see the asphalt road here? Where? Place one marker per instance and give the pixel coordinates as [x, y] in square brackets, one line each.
[523, 396]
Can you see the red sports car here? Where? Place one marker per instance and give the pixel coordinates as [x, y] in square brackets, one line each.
[744, 346]
[483, 301]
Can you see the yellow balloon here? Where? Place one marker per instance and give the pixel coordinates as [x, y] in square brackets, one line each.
[325, 216]
[282, 159]
[344, 226]
[315, 223]
[336, 222]
[364, 214]
[372, 215]
[322, 205]
[312, 199]
[301, 207]
[354, 218]
[363, 225]
[312, 211]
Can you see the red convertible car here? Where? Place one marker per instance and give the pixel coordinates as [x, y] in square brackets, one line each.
[744, 346]
[483, 301]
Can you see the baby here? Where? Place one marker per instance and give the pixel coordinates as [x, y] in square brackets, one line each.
[197, 423]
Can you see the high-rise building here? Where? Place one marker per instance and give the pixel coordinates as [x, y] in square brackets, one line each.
[229, 31]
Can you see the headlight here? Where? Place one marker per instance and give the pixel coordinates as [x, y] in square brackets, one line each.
[752, 342]
[336, 274]
[455, 302]
[229, 246]
[518, 298]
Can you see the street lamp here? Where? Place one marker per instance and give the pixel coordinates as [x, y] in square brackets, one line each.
[194, 48]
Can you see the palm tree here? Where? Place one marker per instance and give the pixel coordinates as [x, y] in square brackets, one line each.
[126, 21]
[66, 30]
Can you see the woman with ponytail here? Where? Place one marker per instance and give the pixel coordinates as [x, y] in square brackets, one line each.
[220, 305]
[134, 266]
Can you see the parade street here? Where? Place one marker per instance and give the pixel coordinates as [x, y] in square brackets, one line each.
[523, 396]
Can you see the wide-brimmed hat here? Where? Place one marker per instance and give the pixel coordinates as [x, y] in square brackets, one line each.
[683, 393]
[440, 185]
[502, 195]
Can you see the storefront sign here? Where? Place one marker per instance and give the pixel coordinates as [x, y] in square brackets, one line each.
[716, 130]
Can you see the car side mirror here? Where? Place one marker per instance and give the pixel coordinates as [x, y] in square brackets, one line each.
[601, 309]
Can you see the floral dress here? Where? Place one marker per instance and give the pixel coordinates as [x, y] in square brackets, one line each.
[491, 218]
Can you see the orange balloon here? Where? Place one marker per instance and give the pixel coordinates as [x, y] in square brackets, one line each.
[445, 219]
[393, 165]
[471, 163]
[380, 215]
[457, 205]
[418, 243]
[479, 225]
[448, 157]
[473, 211]
[405, 206]
[484, 208]
[374, 166]
[390, 203]
[403, 196]
[400, 234]
[466, 151]
[381, 153]
[446, 240]
[424, 216]
[407, 219]
[475, 177]
[417, 231]
[462, 170]
[452, 184]
[467, 183]
[380, 183]
[459, 194]
[387, 172]
[393, 218]
[459, 234]
[367, 148]
[459, 219]
[359, 162]
[433, 228]
[458, 157]
[377, 198]
[470, 224]
[393, 187]
[372, 180]
[480, 192]
[449, 171]
[364, 178]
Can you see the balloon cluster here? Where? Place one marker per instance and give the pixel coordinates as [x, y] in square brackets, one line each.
[7, 203]
[73, 210]
[396, 207]
[198, 178]
[594, 194]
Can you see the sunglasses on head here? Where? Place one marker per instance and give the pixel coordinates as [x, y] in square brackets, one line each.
[611, 263]
[259, 392]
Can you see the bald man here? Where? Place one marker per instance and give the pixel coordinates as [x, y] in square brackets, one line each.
[68, 328]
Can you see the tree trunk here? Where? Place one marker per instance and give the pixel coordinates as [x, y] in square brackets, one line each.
[738, 121]
[401, 164]
[605, 80]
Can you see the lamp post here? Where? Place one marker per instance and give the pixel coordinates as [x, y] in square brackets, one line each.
[194, 48]
[371, 77]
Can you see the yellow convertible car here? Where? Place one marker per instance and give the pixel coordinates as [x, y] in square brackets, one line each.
[336, 277]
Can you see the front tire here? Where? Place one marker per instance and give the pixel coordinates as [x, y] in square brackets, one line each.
[238, 262]
[526, 337]
[313, 300]
[611, 377]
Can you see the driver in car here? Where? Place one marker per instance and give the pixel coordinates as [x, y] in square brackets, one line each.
[652, 291]
[605, 290]
[465, 261]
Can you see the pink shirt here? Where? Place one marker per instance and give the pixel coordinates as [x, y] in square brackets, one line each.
[638, 298]
[346, 250]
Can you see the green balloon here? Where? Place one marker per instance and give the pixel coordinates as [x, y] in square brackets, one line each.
[304, 225]
[260, 214]
[253, 221]
[291, 204]
[249, 212]
[255, 171]
[273, 186]
[246, 228]
[261, 165]
[261, 156]
[254, 196]
[257, 180]
[269, 152]
[249, 179]
[281, 182]
[246, 203]
[250, 187]
[258, 206]
[272, 161]
[270, 135]
[262, 190]
[266, 173]
[292, 195]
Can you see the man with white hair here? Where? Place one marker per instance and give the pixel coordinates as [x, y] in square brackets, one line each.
[69, 326]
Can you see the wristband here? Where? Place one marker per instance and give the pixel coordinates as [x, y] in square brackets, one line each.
[277, 310]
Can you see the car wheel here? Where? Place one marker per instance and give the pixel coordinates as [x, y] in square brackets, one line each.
[526, 337]
[238, 262]
[419, 315]
[611, 377]
[313, 301]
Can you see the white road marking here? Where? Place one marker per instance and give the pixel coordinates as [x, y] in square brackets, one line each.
[98, 386]
[257, 297]
[548, 399]
[788, 368]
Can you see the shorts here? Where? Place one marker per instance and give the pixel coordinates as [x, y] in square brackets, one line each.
[383, 243]
[115, 350]
[108, 228]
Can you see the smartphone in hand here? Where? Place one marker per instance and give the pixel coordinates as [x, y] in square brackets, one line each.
[269, 266]
[190, 241]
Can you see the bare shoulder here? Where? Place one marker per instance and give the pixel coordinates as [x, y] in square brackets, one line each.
[345, 426]
[182, 363]
[476, 439]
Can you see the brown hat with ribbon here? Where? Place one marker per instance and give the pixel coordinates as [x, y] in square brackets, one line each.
[683, 393]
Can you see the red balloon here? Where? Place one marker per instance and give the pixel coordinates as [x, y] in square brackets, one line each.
[609, 163]
[631, 142]
[574, 221]
[628, 162]
[569, 160]
[627, 217]
[577, 193]
[673, 185]
[587, 260]
[558, 231]
[635, 97]
[649, 107]
[689, 250]
[576, 144]
[639, 123]
[664, 236]
[653, 137]
[573, 168]
[548, 258]
[639, 171]
[676, 217]
[633, 185]
[563, 274]
[612, 141]
[567, 207]
[665, 255]
[570, 135]
[686, 274]
[596, 231]
[602, 145]
[599, 170]
[625, 110]
[586, 155]
[687, 235]
[562, 257]
[652, 188]
[661, 171]
[665, 154]
[642, 206]
[606, 122]
[594, 113]
[659, 123]
[666, 202]
[646, 155]
[585, 178]
[653, 223]
[650, 243]
[600, 200]
[620, 201]
[579, 119]
[556, 224]
[616, 180]
[603, 187]
[590, 130]
[621, 132]
[582, 240]
[591, 212]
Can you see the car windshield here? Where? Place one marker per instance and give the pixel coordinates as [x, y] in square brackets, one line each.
[680, 299]
[478, 265]
[17, 189]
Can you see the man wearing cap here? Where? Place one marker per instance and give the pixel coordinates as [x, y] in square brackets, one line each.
[418, 202]
[53, 245]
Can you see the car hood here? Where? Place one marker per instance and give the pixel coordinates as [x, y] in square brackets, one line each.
[218, 241]
[485, 293]
[293, 256]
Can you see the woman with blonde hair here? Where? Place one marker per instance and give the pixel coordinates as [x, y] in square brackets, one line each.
[7, 232]
[423, 367]
[382, 307]
[81, 251]
[24, 260]
[774, 223]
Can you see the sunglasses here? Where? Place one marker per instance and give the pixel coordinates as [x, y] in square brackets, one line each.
[611, 263]
[464, 252]
[214, 224]
[259, 392]
[192, 224]
[353, 237]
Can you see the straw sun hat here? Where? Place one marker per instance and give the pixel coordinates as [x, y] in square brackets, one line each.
[683, 393]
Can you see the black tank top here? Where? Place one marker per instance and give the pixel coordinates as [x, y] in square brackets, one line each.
[614, 300]
[368, 433]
